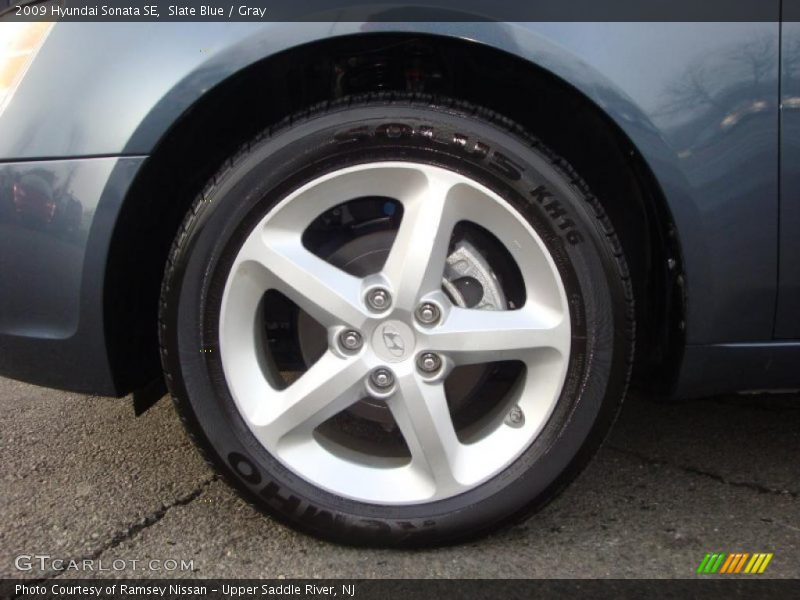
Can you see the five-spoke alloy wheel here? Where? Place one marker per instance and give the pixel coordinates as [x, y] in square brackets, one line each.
[403, 360]
[397, 321]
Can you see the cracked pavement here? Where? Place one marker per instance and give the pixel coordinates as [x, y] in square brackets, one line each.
[83, 478]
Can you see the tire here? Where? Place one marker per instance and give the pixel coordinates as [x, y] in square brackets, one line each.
[544, 247]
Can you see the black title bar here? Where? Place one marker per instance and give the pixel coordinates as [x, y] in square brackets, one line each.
[391, 10]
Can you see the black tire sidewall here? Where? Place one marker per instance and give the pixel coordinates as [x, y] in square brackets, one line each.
[489, 150]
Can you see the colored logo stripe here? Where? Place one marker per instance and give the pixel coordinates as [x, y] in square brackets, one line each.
[727, 564]
[734, 563]
[758, 563]
[720, 562]
[711, 563]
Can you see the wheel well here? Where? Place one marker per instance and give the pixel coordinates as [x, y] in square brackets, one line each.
[212, 130]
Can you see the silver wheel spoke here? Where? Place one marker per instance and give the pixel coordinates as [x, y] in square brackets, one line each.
[416, 261]
[327, 293]
[330, 386]
[421, 412]
[470, 336]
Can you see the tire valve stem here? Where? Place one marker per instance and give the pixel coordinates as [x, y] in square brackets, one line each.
[515, 417]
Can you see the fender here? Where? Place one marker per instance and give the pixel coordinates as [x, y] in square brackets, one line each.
[623, 69]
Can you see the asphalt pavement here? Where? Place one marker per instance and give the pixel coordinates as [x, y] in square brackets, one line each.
[83, 479]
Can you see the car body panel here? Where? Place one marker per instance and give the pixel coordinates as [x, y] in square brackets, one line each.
[787, 318]
[698, 101]
[41, 257]
[709, 370]
[51, 279]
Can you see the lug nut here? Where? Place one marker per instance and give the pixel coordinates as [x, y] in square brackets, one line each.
[429, 362]
[378, 299]
[350, 340]
[428, 313]
[382, 378]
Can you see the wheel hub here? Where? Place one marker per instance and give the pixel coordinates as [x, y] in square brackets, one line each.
[393, 341]
[466, 272]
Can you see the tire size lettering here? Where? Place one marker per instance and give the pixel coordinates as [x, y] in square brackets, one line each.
[542, 196]
[475, 149]
[244, 468]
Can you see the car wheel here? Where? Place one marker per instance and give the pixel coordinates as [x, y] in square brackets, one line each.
[397, 320]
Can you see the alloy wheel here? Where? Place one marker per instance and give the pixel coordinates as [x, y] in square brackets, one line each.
[394, 336]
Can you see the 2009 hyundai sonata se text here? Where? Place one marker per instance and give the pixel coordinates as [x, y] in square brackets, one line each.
[397, 277]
